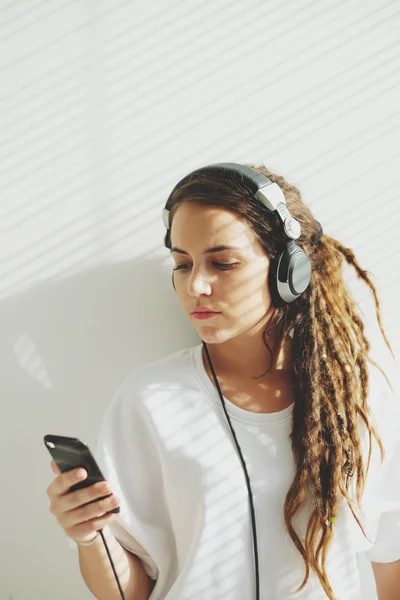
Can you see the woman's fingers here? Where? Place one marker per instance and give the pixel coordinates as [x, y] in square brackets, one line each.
[76, 511]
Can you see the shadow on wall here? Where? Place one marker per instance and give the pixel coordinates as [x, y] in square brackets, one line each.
[65, 346]
[90, 330]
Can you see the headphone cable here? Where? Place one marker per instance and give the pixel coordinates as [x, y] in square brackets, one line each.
[112, 564]
[253, 518]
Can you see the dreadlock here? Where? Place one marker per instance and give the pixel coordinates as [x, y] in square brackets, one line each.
[330, 355]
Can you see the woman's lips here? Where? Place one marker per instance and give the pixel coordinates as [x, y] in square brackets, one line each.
[204, 315]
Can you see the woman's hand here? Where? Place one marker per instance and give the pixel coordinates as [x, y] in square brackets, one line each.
[79, 520]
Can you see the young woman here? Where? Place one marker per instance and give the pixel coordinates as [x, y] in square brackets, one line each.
[240, 463]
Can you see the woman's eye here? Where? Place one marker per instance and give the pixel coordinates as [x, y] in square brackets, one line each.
[222, 266]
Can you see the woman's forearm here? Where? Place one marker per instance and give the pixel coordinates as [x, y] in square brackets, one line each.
[98, 574]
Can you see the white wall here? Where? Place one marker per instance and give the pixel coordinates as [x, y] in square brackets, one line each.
[103, 107]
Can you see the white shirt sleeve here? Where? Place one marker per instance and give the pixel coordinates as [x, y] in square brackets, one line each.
[386, 547]
[129, 460]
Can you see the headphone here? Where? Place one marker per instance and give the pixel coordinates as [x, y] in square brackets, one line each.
[289, 275]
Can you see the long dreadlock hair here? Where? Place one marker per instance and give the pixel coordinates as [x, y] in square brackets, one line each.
[328, 345]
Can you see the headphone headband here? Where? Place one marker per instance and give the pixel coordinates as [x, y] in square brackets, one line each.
[253, 179]
[265, 190]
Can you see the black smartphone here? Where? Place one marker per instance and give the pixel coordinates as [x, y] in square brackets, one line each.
[70, 453]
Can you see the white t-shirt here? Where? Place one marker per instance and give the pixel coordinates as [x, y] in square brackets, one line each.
[166, 449]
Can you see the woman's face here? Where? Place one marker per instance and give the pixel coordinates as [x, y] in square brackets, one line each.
[239, 292]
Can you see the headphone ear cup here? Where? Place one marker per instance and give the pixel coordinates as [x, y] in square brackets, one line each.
[299, 269]
[289, 275]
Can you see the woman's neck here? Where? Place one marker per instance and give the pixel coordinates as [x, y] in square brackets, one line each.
[235, 359]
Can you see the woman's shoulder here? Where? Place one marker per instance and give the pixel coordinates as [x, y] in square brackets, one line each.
[174, 362]
[156, 376]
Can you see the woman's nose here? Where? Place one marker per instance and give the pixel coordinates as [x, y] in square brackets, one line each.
[198, 283]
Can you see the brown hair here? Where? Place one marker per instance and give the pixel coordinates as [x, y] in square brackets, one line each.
[323, 321]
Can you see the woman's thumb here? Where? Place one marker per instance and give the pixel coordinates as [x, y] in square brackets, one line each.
[54, 467]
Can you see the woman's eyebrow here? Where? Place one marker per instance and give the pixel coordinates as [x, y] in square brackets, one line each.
[210, 250]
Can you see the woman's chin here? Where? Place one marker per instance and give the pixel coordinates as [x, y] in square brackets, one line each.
[211, 335]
